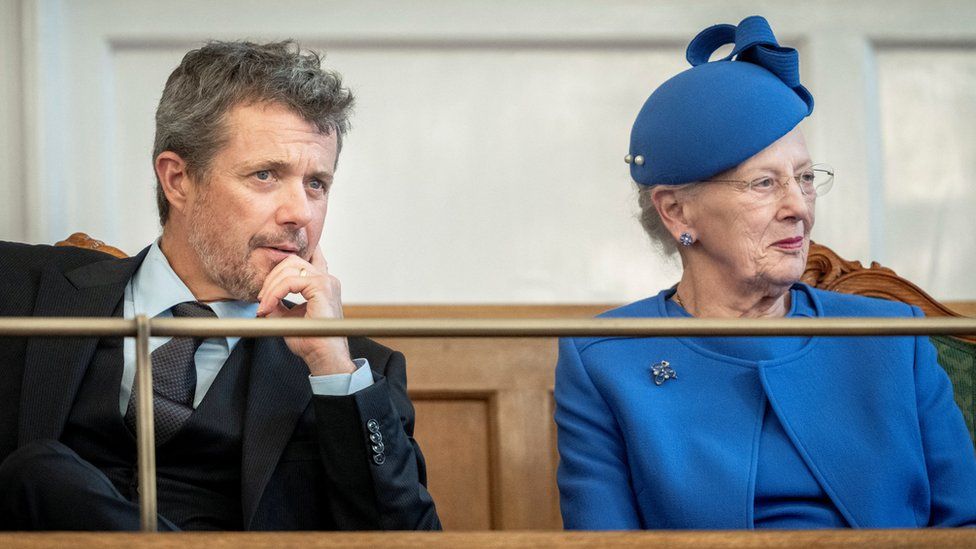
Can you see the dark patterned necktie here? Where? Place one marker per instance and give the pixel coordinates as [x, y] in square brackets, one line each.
[174, 376]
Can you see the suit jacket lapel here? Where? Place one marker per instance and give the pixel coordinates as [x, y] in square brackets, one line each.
[278, 394]
[54, 367]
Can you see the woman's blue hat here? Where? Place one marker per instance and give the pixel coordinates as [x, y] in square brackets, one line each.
[715, 115]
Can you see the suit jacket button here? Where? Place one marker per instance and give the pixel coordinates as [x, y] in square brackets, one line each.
[373, 426]
[379, 459]
[378, 447]
[376, 437]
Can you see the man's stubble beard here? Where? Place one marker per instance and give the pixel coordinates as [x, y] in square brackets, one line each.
[226, 261]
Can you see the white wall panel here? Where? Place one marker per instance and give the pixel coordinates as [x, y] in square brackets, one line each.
[928, 114]
[499, 174]
[485, 160]
[471, 174]
[12, 195]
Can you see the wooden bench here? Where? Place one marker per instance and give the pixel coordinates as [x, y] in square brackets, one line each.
[485, 406]
[854, 539]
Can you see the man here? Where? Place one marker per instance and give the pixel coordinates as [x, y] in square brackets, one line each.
[272, 433]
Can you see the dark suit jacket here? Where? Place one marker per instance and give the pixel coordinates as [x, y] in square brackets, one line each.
[306, 462]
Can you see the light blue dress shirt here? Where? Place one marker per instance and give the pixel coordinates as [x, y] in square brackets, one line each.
[155, 288]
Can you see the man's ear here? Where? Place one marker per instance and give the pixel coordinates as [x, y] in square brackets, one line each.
[672, 205]
[173, 177]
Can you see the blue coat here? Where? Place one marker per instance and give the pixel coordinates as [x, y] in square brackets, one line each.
[872, 417]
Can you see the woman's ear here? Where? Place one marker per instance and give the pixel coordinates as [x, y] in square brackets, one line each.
[173, 178]
[673, 207]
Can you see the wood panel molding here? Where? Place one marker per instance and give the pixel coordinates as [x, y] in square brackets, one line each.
[458, 434]
[514, 378]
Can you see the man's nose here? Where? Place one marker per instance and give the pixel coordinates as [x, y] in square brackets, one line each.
[294, 207]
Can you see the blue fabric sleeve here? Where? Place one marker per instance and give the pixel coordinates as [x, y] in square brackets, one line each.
[594, 481]
[949, 457]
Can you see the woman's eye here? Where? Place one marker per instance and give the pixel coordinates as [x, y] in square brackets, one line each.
[763, 184]
[263, 175]
[808, 177]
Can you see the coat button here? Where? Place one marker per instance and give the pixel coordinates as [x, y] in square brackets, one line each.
[379, 459]
[378, 447]
[373, 426]
[376, 437]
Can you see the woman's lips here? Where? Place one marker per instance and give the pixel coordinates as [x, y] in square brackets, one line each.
[794, 243]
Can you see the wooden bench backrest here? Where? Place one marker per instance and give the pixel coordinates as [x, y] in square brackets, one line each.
[484, 406]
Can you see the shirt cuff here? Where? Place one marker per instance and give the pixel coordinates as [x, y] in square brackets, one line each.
[343, 384]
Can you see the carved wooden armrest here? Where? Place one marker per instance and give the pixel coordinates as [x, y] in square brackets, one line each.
[828, 271]
[82, 240]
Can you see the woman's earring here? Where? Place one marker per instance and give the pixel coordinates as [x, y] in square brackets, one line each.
[686, 239]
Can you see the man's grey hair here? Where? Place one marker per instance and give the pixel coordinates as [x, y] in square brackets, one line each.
[651, 220]
[219, 76]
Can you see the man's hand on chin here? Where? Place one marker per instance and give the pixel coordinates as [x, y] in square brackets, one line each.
[323, 355]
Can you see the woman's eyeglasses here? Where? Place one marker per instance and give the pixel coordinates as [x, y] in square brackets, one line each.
[813, 181]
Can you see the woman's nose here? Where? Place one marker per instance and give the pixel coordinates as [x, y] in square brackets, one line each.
[793, 200]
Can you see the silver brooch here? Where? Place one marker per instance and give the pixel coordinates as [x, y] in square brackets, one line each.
[662, 371]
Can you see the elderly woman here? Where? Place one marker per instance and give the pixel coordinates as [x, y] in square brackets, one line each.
[725, 432]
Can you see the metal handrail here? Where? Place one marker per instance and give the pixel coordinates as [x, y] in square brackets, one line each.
[142, 328]
[517, 327]
[145, 427]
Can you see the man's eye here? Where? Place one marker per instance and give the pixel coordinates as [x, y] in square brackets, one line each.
[316, 185]
[263, 175]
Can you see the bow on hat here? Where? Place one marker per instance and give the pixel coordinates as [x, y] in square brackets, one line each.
[716, 114]
[754, 43]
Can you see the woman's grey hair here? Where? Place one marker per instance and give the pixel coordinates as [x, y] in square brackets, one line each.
[214, 79]
[651, 221]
